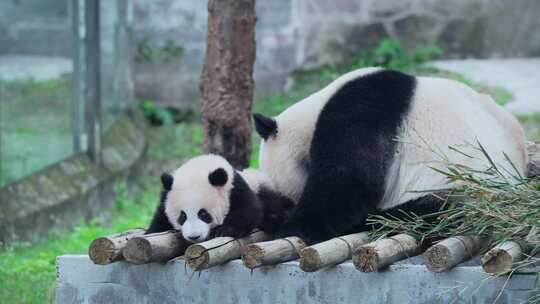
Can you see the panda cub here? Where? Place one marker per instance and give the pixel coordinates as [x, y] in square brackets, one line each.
[369, 141]
[206, 197]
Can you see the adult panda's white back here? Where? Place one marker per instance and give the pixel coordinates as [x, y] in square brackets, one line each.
[284, 158]
[444, 114]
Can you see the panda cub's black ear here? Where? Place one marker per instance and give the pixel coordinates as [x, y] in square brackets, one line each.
[218, 177]
[167, 181]
[265, 126]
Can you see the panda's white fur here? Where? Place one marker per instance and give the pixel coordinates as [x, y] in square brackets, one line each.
[444, 113]
[281, 157]
[191, 192]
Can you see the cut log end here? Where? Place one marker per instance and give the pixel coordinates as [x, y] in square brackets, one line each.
[252, 256]
[102, 251]
[108, 249]
[197, 257]
[367, 259]
[497, 261]
[138, 251]
[503, 257]
[310, 260]
[381, 253]
[437, 258]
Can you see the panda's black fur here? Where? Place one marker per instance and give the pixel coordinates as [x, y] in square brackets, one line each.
[248, 210]
[353, 143]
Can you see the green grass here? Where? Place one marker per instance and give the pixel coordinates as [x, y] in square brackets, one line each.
[175, 141]
[27, 271]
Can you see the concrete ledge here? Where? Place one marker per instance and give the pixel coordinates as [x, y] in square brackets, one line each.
[80, 281]
[60, 195]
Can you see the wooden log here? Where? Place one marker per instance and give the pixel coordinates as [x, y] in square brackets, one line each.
[451, 251]
[271, 252]
[108, 249]
[155, 247]
[219, 250]
[331, 252]
[501, 258]
[376, 255]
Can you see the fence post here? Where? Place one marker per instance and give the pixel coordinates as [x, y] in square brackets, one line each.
[92, 90]
[78, 29]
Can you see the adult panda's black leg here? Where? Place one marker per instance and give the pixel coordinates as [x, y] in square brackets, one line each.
[337, 198]
[352, 149]
[422, 206]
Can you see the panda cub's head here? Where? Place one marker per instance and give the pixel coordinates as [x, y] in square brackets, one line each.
[197, 196]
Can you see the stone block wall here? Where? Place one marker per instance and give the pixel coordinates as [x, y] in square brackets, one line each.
[306, 33]
[290, 34]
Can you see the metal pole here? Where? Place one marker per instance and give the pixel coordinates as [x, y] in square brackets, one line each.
[92, 83]
[78, 37]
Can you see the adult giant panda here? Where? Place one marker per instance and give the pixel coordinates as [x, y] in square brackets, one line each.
[207, 197]
[368, 143]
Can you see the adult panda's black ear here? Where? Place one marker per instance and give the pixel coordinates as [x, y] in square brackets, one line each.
[218, 177]
[167, 181]
[265, 126]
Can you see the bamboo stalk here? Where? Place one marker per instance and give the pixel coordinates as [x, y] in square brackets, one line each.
[331, 252]
[376, 255]
[501, 258]
[108, 249]
[271, 252]
[155, 247]
[219, 250]
[451, 251]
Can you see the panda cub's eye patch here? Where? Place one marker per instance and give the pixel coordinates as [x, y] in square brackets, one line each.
[205, 216]
[182, 218]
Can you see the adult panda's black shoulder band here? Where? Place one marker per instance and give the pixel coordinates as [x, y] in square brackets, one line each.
[265, 126]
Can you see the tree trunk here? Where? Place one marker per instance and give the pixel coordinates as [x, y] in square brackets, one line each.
[227, 80]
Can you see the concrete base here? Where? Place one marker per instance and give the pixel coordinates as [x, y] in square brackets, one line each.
[80, 281]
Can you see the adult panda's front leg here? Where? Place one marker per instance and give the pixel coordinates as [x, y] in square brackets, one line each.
[337, 199]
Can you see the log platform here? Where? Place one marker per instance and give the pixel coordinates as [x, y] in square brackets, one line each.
[108, 249]
[378, 254]
[155, 247]
[331, 252]
[272, 252]
[219, 250]
[451, 251]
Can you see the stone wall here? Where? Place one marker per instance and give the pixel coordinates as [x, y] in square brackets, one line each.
[80, 281]
[306, 33]
[290, 34]
[61, 195]
[29, 27]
